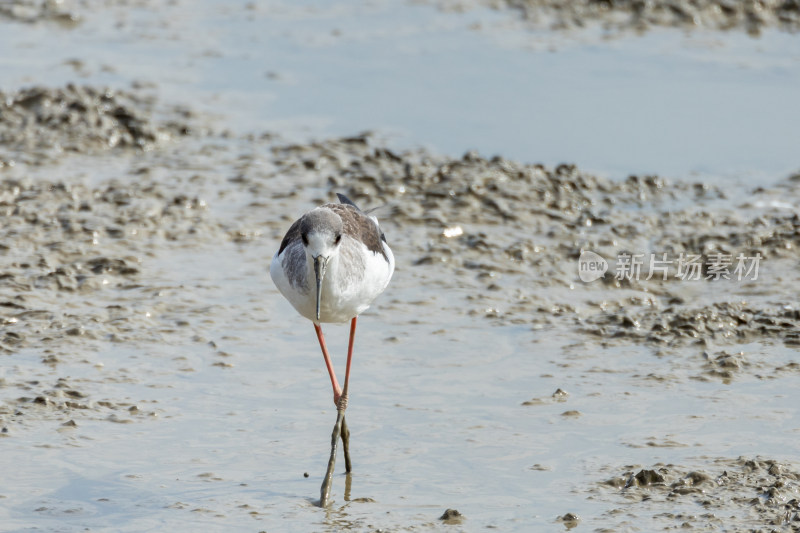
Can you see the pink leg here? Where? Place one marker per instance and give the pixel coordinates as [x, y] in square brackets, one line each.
[337, 390]
[343, 397]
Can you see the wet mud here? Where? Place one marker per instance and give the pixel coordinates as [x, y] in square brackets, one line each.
[39, 124]
[72, 252]
[33, 11]
[720, 323]
[634, 15]
[755, 493]
[752, 16]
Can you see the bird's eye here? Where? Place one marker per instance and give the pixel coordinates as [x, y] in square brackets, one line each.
[337, 239]
[305, 239]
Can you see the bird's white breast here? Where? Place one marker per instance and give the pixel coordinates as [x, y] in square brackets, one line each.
[354, 278]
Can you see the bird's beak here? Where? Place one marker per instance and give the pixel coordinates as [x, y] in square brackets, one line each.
[320, 265]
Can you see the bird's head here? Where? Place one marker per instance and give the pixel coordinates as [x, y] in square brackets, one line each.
[321, 233]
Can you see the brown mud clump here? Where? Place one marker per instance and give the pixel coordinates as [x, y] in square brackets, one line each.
[645, 478]
[570, 520]
[38, 124]
[720, 323]
[748, 492]
[33, 11]
[752, 16]
[452, 516]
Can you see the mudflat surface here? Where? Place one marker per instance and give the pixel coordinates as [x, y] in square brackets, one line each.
[152, 378]
[637, 15]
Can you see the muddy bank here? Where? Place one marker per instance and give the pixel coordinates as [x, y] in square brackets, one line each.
[68, 237]
[721, 323]
[748, 492]
[75, 284]
[40, 124]
[78, 243]
[33, 11]
[635, 15]
[75, 246]
[614, 16]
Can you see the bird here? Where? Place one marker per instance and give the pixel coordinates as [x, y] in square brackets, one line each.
[331, 265]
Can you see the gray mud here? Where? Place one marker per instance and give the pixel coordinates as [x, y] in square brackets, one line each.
[636, 15]
[615, 16]
[756, 493]
[39, 124]
[33, 11]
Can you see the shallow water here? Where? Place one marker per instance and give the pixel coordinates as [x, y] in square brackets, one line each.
[199, 398]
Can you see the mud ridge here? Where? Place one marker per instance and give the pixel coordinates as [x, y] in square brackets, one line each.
[756, 492]
[40, 124]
